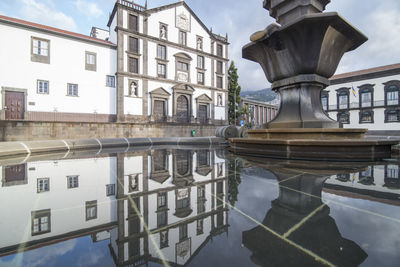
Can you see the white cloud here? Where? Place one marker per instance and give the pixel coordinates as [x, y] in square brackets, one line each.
[39, 12]
[91, 10]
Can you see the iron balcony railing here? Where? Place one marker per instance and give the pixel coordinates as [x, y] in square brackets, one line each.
[355, 105]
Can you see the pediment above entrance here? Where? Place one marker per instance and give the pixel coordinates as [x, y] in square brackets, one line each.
[160, 92]
[204, 98]
[183, 88]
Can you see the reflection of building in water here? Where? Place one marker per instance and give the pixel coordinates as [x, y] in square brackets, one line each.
[178, 194]
[180, 200]
[378, 182]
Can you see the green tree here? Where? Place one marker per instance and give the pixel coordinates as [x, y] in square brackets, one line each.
[233, 95]
[234, 180]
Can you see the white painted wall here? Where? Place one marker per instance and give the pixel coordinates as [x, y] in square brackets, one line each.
[67, 205]
[67, 65]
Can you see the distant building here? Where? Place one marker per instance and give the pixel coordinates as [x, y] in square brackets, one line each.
[260, 112]
[152, 65]
[365, 99]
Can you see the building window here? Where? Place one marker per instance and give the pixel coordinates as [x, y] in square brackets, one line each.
[200, 62]
[343, 117]
[162, 70]
[392, 93]
[366, 93]
[43, 185]
[163, 31]
[162, 218]
[366, 116]
[219, 67]
[219, 50]
[110, 81]
[42, 87]
[182, 38]
[392, 115]
[133, 23]
[133, 89]
[220, 187]
[133, 45]
[325, 100]
[199, 227]
[201, 191]
[40, 50]
[40, 221]
[72, 89]
[219, 82]
[200, 78]
[183, 231]
[110, 190]
[343, 99]
[162, 200]
[183, 66]
[392, 172]
[199, 43]
[72, 181]
[133, 65]
[91, 210]
[162, 52]
[90, 61]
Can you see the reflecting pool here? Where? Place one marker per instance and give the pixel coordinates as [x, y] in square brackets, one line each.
[197, 207]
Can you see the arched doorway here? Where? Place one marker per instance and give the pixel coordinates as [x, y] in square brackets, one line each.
[182, 109]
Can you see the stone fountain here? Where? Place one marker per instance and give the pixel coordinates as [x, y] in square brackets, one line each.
[298, 58]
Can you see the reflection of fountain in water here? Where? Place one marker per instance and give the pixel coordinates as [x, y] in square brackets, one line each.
[297, 230]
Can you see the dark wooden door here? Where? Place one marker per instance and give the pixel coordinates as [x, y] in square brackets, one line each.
[14, 105]
[203, 113]
[159, 110]
[182, 109]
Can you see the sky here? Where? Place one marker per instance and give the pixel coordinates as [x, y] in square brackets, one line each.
[378, 20]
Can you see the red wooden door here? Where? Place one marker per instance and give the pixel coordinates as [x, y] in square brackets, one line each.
[14, 105]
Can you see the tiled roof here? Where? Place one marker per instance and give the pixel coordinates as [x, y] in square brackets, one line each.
[366, 71]
[53, 30]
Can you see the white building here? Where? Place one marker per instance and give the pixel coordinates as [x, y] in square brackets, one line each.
[365, 99]
[151, 65]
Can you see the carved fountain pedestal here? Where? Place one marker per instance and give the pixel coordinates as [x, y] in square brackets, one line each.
[298, 58]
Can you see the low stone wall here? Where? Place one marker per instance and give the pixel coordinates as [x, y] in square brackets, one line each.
[27, 131]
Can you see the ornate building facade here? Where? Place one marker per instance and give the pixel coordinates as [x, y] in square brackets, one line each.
[160, 65]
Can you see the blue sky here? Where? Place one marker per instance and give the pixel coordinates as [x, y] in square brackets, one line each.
[379, 20]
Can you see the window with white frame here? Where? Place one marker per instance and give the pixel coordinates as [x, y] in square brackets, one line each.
[219, 82]
[110, 81]
[72, 181]
[40, 47]
[91, 210]
[200, 78]
[392, 115]
[162, 70]
[41, 222]
[42, 87]
[43, 185]
[162, 200]
[90, 62]
[200, 62]
[219, 50]
[392, 95]
[392, 171]
[40, 50]
[162, 52]
[220, 67]
[72, 89]
[182, 38]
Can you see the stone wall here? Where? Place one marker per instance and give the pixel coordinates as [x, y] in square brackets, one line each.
[29, 131]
